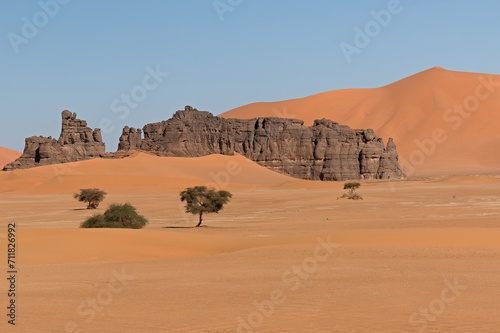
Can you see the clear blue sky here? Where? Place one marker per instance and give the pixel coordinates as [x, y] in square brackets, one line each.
[89, 53]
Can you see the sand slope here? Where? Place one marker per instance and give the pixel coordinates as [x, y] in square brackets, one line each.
[442, 121]
[390, 254]
[141, 173]
[397, 250]
[7, 156]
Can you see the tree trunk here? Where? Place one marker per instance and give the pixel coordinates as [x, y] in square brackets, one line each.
[199, 223]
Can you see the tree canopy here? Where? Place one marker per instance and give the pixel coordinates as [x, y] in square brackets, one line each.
[92, 196]
[351, 186]
[203, 200]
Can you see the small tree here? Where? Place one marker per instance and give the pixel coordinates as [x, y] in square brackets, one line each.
[93, 196]
[200, 200]
[352, 187]
[117, 216]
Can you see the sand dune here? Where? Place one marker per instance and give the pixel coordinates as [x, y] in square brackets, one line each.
[7, 156]
[394, 252]
[141, 173]
[443, 122]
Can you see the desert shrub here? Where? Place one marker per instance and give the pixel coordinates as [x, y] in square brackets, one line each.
[117, 216]
[95, 221]
[354, 196]
[92, 196]
[352, 187]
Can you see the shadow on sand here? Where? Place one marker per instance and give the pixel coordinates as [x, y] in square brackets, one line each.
[192, 227]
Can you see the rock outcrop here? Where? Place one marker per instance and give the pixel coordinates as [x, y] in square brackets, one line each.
[77, 142]
[325, 151]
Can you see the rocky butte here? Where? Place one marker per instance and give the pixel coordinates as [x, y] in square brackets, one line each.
[325, 151]
[77, 142]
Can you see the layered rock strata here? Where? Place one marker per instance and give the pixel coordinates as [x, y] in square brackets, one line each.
[325, 151]
[77, 142]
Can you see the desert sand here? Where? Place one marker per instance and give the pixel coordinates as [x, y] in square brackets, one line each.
[285, 255]
[443, 122]
[7, 156]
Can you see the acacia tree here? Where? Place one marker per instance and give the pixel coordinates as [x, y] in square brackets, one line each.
[92, 196]
[200, 200]
[352, 187]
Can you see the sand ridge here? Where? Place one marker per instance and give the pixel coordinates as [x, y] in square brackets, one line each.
[141, 173]
[7, 156]
[442, 121]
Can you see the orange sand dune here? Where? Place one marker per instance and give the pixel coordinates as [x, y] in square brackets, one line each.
[443, 121]
[339, 265]
[141, 173]
[7, 156]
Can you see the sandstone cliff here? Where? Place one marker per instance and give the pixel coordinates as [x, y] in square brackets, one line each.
[324, 151]
[77, 142]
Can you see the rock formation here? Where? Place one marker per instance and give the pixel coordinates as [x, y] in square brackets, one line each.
[324, 151]
[77, 142]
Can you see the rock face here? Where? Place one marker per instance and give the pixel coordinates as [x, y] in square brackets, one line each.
[77, 142]
[325, 151]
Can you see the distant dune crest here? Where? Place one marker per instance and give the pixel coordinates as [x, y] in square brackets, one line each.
[8, 156]
[443, 121]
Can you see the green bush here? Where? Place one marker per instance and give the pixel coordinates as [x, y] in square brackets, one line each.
[95, 221]
[352, 196]
[117, 216]
[352, 187]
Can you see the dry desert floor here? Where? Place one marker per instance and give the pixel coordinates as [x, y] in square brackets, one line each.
[284, 256]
